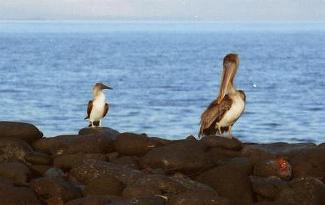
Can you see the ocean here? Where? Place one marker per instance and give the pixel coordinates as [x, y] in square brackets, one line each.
[163, 75]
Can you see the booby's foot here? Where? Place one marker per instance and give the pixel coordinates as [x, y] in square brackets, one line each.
[96, 123]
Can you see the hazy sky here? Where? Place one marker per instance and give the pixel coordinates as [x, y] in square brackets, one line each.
[239, 10]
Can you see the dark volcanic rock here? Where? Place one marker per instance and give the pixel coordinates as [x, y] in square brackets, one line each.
[108, 132]
[151, 200]
[13, 149]
[280, 168]
[222, 142]
[230, 182]
[11, 195]
[49, 145]
[38, 158]
[39, 170]
[92, 169]
[129, 161]
[55, 189]
[105, 185]
[97, 200]
[15, 171]
[71, 144]
[182, 155]
[68, 161]
[54, 172]
[303, 191]
[197, 198]
[267, 188]
[18, 130]
[216, 154]
[135, 144]
[309, 162]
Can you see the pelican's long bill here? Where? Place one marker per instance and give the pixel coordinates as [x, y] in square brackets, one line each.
[229, 71]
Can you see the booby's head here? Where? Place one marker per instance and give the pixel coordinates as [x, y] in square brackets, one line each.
[99, 87]
[230, 66]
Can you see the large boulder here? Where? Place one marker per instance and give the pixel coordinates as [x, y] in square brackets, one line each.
[92, 169]
[18, 130]
[183, 155]
[10, 194]
[13, 149]
[267, 188]
[303, 191]
[104, 185]
[71, 144]
[128, 161]
[55, 190]
[18, 172]
[222, 142]
[108, 132]
[133, 144]
[230, 182]
[68, 161]
[97, 200]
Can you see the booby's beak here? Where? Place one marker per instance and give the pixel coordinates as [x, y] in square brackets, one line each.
[229, 71]
[106, 87]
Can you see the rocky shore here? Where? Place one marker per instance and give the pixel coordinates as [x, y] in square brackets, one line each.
[100, 166]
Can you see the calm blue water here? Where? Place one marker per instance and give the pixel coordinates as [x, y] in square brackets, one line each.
[164, 75]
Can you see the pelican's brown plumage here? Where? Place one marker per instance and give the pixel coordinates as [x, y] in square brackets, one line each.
[98, 107]
[225, 110]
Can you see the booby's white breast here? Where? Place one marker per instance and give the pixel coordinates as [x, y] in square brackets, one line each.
[98, 108]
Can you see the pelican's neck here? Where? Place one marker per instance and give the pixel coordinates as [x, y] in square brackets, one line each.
[231, 88]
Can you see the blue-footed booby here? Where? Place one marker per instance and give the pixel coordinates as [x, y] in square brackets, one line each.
[98, 107]
[224, 111]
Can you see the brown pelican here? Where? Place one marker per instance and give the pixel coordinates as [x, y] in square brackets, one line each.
[224, 111]
[97, 108]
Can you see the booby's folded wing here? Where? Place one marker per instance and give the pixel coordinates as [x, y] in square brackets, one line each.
[214, 113]
[106, 109]
[89, 108]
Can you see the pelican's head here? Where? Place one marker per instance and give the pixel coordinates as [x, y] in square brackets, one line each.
[230, 66]
[99, 87]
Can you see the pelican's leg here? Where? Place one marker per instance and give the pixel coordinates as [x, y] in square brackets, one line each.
[219, 128]
[230, 132]
[91, 124]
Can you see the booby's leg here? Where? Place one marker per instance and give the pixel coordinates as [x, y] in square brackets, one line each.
[219, 128]
[90, 124]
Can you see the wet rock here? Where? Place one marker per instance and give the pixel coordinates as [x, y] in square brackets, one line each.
[38, 158]
[10, 194]
[23, 131]
[104, 185]
[197, 198]
[134, 144]
[97, 200]
[189, 184]
[68, 161]
[55, 189]
[13, 150]
[267, 188]
[92, 169]
[229, 182]
[303, 191]
[109, 132]
[129, 161]
[222, 142]
[54, 172]
[15, 171]
[182, 155]
[242, 164]
[279, 167]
